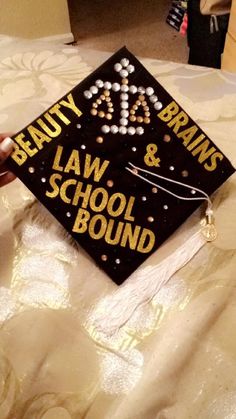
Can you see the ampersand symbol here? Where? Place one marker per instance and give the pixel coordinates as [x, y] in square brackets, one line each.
[150, 158]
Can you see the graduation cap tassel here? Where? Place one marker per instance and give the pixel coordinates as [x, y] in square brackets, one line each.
[116, 309]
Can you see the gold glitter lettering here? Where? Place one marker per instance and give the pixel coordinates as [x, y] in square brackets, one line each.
[146, 241]
[196, 142]
[61, 116]
[79, 194]
[38, 136]
[57, 158]
[168, 113]
[214, 158]
[102, 229]
[54, 124]
[71, 105]
[73, 163]
[25, 145]
[103, 201]
[180, 120]
[55, 188]
[130, 236]
[129, 208]
[113, 203]
[64, 188]
[115, 240]
[89, 168]
[204, 151]
[187, 134]
[80, 225]
[18, 155]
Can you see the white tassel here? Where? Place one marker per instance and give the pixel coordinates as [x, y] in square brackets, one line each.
[142, 286]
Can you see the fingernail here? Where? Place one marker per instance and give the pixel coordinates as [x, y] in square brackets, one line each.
[6, 145]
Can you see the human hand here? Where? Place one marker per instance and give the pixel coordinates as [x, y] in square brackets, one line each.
[6, 147]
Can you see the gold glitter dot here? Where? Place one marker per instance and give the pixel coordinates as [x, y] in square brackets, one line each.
[167, 138]
[104, 258]
[103, 97]
[109, 105]
[138, 103]
[154, 190]
[108, 116]
[111, 110]
[184, 173]
[139, 119]
[101, 114]
[141, 97]
[95, 105]
[132, 112]
[147, 113]
[108, 99]
[146, 120]
[135, 107]
[132, 118]
[110, 183]
[106, 93]
[144, 103]
[135, 171]
[124, 81]
[99, 101]
[93, 111]
[146, 108]
[150, 219]
[99, 140]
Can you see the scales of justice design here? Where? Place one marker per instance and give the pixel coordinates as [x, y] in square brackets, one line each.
[111, 161]
[138, 111]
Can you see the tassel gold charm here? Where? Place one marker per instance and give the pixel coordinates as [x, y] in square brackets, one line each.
[208, 227]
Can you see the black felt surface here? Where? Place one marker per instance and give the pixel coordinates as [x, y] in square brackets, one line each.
[119, 149]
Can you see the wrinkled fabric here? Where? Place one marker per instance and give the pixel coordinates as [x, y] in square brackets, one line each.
[176, 357]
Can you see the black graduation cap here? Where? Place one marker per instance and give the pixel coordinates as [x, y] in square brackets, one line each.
[82, 157]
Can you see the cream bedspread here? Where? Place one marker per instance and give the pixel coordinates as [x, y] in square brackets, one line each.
[176, 359]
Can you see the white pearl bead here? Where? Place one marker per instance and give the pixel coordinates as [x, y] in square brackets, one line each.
[139, 130]
[149, 91]
[130, 68]
[93, 90]
[116, 87]
[122, 130]
[134, 149]
[105, 129]
[117, 67]
[124, 73]
[114, 129]
[153, 98]
[124, 113]
[123, 121]
[124, 88]
[141, 90]
[124, 105]
[193, 192]
[107, 85]
[83, 146]
[133, 89]
[99, 83]
[124, 62]
[158, 106]
[117, 261]
[171, 168]
[165, 207]
[124, 96]
[88, 94]
[131, 130]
